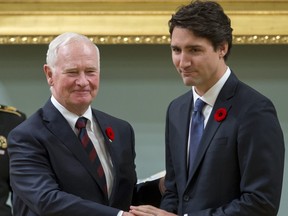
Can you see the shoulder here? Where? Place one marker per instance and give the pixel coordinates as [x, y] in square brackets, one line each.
[100, 115]
[182, 100]
[184, 97]
[11, 111]
[243, 89]
[254, 95]
[10, 117]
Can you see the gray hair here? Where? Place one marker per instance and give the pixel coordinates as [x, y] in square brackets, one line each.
[61, 40]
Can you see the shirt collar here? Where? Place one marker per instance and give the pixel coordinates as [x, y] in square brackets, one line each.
[211, 95]
[72, 117]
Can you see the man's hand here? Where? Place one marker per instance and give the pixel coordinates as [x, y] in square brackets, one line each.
[148, 210]
[127, 214]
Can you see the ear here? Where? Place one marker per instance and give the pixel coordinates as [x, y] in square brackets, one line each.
[49, 74]
[223, 48]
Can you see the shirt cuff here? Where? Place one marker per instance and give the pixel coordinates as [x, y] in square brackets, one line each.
[120, 213]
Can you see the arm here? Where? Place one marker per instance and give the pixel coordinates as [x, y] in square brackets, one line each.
[170, 197]
[261, 161]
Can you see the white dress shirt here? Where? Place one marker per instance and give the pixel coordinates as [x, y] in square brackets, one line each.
[209, 98]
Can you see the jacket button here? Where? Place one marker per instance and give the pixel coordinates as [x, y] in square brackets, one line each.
[186, 198]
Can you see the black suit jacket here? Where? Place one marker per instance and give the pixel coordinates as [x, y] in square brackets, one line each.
[51, 174]
[10, 117]
[239, 166]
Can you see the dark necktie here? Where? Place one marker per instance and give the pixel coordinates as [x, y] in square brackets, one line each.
[196, 131]
[91, 151]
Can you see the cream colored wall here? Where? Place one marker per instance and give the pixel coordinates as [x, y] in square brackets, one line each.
[137, 84]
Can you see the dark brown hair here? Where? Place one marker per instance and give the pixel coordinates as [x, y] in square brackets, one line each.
[205, 19]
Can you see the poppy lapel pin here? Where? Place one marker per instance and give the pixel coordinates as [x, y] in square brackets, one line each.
[110, 134]
[220, 114]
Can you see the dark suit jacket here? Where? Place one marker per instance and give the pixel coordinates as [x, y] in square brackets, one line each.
[51, 174]
[9, 118]
[238, 169]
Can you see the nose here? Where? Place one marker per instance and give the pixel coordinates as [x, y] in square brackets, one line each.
[184, 61]
[82, 79]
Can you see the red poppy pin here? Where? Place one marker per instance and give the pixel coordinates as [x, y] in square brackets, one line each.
[110, 134]
[220, 114]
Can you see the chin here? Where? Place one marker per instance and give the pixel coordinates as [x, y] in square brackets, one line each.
[83, 101]
[188, 82]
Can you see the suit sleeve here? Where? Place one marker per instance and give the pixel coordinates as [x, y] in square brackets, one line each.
[170, 197]
[261, 161]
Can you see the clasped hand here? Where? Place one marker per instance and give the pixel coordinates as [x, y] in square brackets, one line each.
[147, 210]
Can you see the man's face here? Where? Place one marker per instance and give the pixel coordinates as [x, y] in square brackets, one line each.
[196, 60]
[75, 80]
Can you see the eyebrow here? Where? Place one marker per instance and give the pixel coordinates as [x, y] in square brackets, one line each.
[187, 47]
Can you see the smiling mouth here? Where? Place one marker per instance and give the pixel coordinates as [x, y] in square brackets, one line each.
[82, 92]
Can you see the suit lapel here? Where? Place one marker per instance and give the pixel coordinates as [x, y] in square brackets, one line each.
[103, 124]
[224, 100]
[58, 125]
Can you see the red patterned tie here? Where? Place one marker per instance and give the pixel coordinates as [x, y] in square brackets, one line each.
[91, 151]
